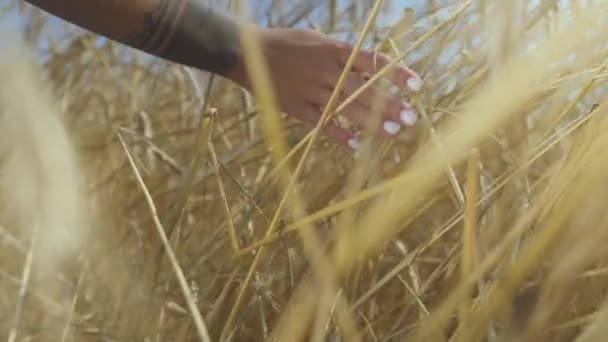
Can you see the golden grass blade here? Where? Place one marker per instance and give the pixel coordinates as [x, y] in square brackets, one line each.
[567, 109]
[200, 145]
[264, 92]
[23, 288]
[218, 178]
[203, 333]
[283, 332]
[77, 295]
[469, 233]
[540, 245]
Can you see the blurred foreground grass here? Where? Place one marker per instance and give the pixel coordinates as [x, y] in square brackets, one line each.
[484, 223]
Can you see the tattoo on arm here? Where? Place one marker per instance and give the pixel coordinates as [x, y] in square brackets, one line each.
[194, 33]
[155, 23]
[189, 32]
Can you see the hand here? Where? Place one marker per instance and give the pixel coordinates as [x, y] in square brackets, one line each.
[305, 67]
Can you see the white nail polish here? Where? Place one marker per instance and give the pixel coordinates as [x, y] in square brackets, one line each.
[414, 83]
[409, 117]
[392, 127]
[354, 144]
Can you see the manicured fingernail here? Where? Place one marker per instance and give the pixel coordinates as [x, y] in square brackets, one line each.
[414, 83]
[354, 144]
[409, 117]
[392, 127]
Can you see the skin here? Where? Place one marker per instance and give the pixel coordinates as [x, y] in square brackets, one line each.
[305, 65]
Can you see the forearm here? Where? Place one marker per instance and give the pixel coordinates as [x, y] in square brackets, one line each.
[188, 32]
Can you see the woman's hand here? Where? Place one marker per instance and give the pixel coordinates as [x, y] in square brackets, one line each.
[305, 67]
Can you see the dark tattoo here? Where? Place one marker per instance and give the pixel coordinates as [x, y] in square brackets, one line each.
[202, 36]
[188, 32]
[153, 22]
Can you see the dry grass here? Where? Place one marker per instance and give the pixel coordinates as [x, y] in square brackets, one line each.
[142, 201]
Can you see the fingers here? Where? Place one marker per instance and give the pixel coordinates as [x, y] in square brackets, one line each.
[391, 109]
[362, 116]
[392, 106]
[312, 113]
[320, 96]
[371, 62]
[394, 114]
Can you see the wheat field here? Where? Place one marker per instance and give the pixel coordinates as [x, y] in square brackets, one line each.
[143, 201]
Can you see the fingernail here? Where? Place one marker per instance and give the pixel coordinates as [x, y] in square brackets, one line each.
[409, 117]
[414, 83]
[354, 144]
[392, 127]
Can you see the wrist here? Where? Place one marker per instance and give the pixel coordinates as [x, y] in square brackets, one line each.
[238, 72]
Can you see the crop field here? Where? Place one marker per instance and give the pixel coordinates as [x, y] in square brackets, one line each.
[141, 200]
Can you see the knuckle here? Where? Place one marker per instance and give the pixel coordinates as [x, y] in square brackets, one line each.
[342, 49]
